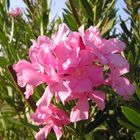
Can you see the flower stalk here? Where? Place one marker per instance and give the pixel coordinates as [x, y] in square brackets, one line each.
[12, 30]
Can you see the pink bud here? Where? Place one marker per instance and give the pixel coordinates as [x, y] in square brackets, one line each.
[15, 12]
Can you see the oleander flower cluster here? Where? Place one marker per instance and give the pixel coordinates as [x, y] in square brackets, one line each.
[74, 66]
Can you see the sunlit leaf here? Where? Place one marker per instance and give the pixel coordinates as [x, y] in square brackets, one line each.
[132, 116]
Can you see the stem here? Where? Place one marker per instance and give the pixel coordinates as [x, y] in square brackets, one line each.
[81, 130]
[41, 28]
[95, 9]
[104, 26]
[29, 101]
[12, 31]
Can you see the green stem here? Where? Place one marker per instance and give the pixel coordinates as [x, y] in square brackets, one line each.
[41, 28]
[81, 130]
[95, 9]
[12, 30]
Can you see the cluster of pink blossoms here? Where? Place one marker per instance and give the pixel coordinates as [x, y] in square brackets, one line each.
[74, 65]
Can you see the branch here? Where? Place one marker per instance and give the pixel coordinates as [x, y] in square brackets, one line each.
[29, 101]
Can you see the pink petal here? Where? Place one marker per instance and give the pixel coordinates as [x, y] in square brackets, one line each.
[61, 34]
[117, 60]
[58, 132]
[51, 75]
[63, 90]
[42, 43]
[80, 111]
[29, 91]
[43, 39]
[95, 74]
[63, 116]
[98, 56]
[75, 41]
[112, 46]
[118, 64]
[62, 51]
[32, 77]
[27, 74]
[81, 30]
[22, 64]
[98, 97]
[123, 87]
[79, 84]
[45, 57]
[119, 71]
[45, 100]
[43, 133]
[66, 64]
[86, 57]
[20, 80]
[93, 35]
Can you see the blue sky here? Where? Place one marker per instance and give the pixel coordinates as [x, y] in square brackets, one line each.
[57, 6]
[120, 4]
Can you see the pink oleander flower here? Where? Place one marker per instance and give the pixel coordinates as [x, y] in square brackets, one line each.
[50, 117]
[74, 65]
[15, 12]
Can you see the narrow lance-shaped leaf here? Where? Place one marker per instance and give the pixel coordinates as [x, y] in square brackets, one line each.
[128, 126]
[87, 9]
[132, 115]
[137, 135]
[137, 91]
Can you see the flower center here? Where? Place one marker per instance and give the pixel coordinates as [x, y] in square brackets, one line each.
[78, 72]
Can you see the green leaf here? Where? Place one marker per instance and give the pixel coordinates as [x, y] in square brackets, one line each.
[108, 26]
[70, 22]
[128, 125]
[132, 115]
[137, 135]
[35, 128]
[8, 4]
[125, 28]
[3, 62]
[138, 91]
[87, 9]
[51, 136]
[95, 123]
[130, 58]
[72, 131]
[13, 51]
[3, 40]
